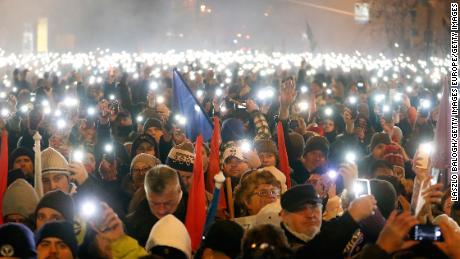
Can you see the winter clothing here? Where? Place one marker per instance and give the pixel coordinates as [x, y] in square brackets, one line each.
[60, 202]
[59, 229]
[182, 157]
[16, 240]
[20, 198]
[171, 232]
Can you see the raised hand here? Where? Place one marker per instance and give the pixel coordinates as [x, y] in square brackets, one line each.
[391, 238]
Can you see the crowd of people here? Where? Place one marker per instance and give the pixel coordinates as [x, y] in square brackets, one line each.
[117, 167]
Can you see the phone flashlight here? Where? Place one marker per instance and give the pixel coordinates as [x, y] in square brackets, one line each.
[328, 111]
[245, 146]
[350, 157]
[332, 174]
[361, 187]
[77, 156]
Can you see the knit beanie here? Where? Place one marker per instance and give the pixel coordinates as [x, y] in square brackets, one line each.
[226, 230]
[16, 240]
[266, 146]
[143, 138]
[297, 144]
[59, 229]
[152, 123]
[379, 138]
[317, 143]
[170, 232]
[20, 198]
[182, 157]
[385, 195]
[21, 151]
[232, 130]
[146, 159]
[59, 201]
[54, 162]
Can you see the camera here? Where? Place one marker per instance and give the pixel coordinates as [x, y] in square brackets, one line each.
[426, 233]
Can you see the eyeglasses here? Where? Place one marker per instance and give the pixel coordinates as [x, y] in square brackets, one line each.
[268, 193]
[140, 170]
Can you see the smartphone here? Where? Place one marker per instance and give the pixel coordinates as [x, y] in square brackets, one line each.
[92, 211]
[361, 187]
[426, 233]
[423, 155]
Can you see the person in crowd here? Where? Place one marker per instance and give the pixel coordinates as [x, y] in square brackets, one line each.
[134, 182]
[164, 195]
[265, 241]
[213, 247]
[19, 203]
[377, 151]
[55, 205]
[144, 144]
[23, 158]
[267, 152]
[16, 241]
[56, 240]
[181, 159]
[314, 156]
[255, 190]
[169, 239]
[306, 233]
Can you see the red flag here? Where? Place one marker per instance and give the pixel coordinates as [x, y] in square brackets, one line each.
[214, 163]
[284, 162]
[3, 170]
[196, 205]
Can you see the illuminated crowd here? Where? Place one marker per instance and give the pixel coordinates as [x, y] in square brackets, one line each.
[320, 156]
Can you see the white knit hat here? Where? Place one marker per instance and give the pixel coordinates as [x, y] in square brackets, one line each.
[169, 231]
[20, 198]
[54, 162]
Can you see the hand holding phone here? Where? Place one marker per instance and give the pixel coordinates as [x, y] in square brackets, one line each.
[426, 232]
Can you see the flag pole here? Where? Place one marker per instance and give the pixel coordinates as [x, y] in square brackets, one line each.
[219, 180]
[231, 207]
[38, 165]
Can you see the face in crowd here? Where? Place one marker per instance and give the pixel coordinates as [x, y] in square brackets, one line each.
[166, 202]
[56, 181]
[306, 221]
[25, 164]
[235, 167]
[267, 159]
[53, 248]
[313, 159]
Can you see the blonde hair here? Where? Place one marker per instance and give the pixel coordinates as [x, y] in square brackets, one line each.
[248, 183]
